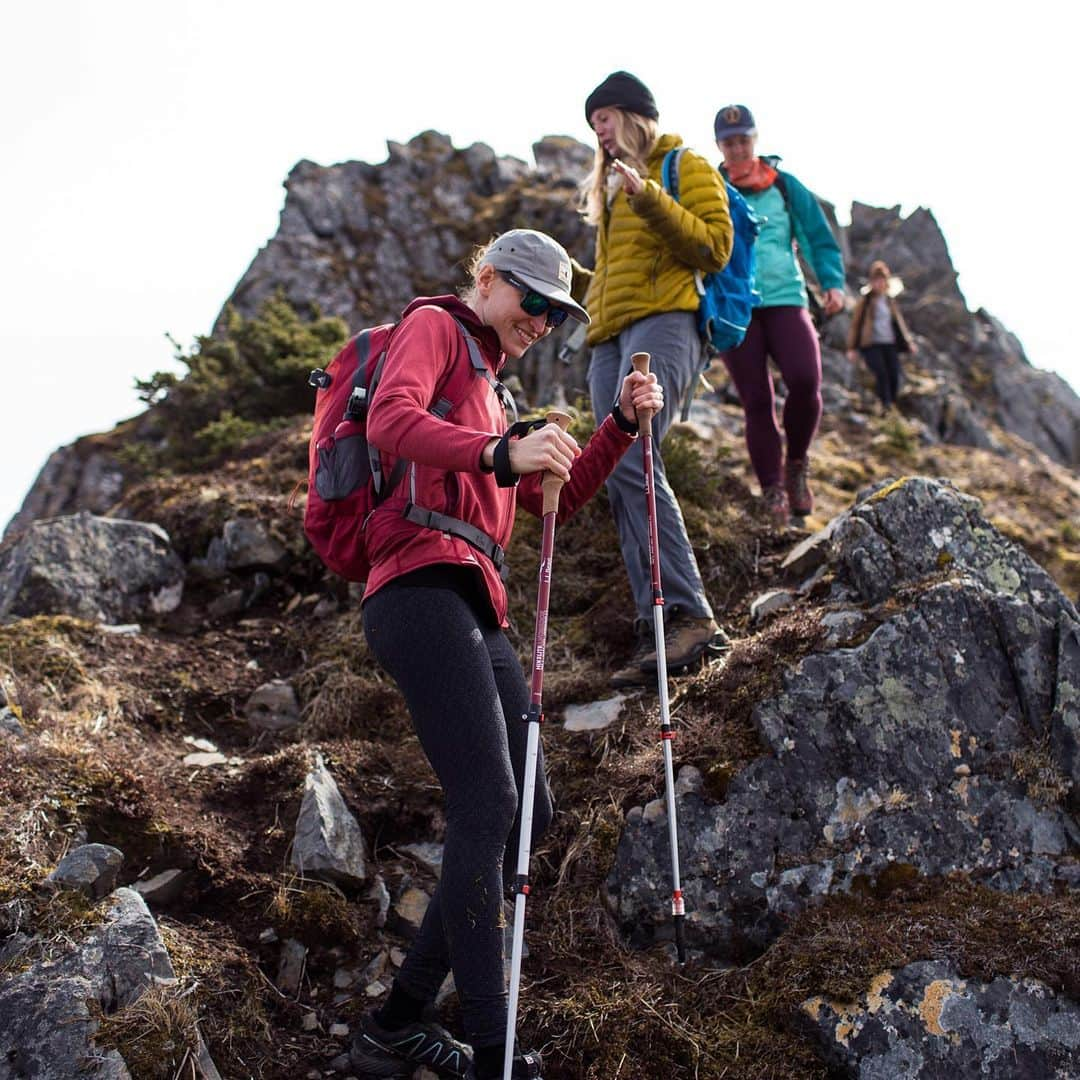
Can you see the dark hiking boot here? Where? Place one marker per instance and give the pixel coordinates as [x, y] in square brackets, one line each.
[637, 671]
[776, 506]
[686, 639]
[797, 486]
[376, 1052]
[526, 1066]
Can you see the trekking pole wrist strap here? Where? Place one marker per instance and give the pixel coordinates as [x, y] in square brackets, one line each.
[500, 457]
[629, 426]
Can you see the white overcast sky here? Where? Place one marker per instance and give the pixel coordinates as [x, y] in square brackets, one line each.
[144, 147]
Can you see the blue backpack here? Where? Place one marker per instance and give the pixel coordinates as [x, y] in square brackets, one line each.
[727, 297]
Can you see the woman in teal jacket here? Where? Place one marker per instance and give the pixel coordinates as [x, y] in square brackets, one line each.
[781, 328]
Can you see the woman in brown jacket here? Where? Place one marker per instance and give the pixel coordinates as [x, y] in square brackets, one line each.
[879, 332]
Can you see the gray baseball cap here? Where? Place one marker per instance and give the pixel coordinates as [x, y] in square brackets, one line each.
[538, 261]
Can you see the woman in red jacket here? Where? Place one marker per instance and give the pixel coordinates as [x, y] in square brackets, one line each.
[434, 611]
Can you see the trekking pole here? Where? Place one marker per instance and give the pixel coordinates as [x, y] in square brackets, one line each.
[550, 486]
[640, 362]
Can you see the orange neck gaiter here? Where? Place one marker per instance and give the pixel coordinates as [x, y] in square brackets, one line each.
[755, 175]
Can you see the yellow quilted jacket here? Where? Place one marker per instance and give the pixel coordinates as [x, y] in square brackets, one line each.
[648, 246]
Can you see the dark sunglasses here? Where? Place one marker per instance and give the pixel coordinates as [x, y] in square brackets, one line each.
[532, 303]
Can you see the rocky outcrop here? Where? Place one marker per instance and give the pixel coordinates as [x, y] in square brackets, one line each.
[942, 734]
[925, 1021]
[85, 475]
[103, 569]
[360, 241]
[49, 1012]
[979, 371]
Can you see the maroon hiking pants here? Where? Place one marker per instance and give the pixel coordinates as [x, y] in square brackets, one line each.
[787, 335]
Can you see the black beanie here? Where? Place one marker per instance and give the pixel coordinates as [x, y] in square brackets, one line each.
[624, 91]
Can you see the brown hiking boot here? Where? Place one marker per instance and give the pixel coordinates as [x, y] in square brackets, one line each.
[685, 640]
[636, 673]
[797, 486]
[776, 505]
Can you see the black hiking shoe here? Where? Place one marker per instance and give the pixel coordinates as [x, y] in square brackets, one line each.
[376, 1052]
[526, 1066]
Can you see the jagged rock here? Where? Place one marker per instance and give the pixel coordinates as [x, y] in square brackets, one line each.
[214, 566]
[981, 670]
[46, 1019]
[248, 543]
[925, 1020]
[563, 158]
[273, 707]
[906, 530]
[1038, 406]
[809, 554]
[91, 869]
[427, 854]
[227, 604]
[381, 895]
[162, 889]
[769, 603]
[77, 477]
[328, 842]
[594, 716]
[103, 569]
[409, 910]
[10, 723]
[360, 241]
[291, 966]
[915, 250]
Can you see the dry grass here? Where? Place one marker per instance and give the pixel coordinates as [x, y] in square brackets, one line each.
[157, 1034]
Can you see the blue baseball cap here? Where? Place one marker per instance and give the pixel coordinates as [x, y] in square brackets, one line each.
[734, 120]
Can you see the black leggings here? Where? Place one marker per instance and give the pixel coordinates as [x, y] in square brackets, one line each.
[466, 694]
[884, 362]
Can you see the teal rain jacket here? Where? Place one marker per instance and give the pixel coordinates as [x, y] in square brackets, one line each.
[779, 277]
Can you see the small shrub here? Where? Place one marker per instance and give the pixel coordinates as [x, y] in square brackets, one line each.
[238, 384]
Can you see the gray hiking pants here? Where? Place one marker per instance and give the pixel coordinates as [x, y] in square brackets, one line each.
[672, 339]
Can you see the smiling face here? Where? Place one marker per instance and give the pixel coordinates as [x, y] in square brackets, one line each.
[499, 306]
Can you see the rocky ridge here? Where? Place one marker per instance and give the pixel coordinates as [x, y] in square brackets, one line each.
[877, 788]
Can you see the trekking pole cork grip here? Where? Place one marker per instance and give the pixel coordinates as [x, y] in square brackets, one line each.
[640, 362]
[551, 485]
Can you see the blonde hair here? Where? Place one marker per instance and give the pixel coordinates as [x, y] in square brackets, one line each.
[467, 292]
[635, 135]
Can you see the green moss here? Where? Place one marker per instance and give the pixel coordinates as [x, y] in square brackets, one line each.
[47, 649]
[314, 913]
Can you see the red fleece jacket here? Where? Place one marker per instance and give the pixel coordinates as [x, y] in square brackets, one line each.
[423, 351]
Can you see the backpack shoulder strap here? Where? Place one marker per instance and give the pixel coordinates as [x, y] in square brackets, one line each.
[669, 171]
[457, 382]
[781, 185]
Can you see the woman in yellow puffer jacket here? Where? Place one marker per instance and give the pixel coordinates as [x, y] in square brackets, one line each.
[642, 298]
